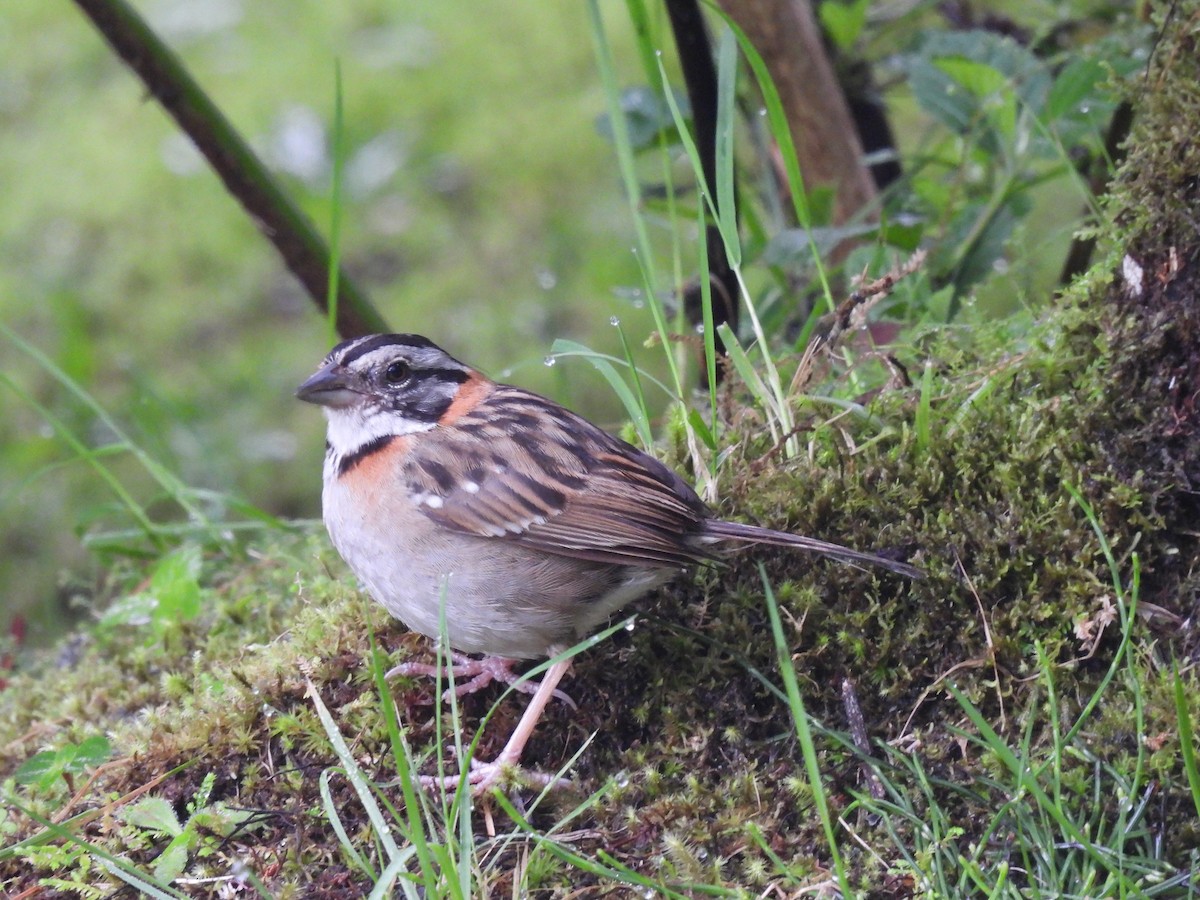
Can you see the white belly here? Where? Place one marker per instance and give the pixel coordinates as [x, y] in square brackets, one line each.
[488, 595]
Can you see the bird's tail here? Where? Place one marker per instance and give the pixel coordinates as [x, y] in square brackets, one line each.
[736, 531]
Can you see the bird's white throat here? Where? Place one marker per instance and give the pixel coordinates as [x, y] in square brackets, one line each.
[351, 429]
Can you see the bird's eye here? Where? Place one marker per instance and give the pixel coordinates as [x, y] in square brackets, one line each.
[397, 372]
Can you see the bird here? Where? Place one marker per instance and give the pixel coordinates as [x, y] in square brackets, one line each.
[500, 518]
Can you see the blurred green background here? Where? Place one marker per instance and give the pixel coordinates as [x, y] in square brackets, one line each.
[481, 208]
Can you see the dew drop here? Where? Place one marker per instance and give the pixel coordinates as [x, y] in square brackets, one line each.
[614, 321]
[631, 623]
[550, 361]
[699, 328]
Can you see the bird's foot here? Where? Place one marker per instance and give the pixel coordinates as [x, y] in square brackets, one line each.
[483, 776]
[480, 672]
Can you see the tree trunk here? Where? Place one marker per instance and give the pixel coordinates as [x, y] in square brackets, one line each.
[786, 35]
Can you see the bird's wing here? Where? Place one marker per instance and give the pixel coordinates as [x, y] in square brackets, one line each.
[522, 469]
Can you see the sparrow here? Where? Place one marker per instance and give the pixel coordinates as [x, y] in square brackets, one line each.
[491, 512]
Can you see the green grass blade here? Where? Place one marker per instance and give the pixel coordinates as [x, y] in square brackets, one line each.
[726, 104]
[635, 405]
[137, 882]
[780, 130]
[803, 732]
[92, 457]
[396, 868]
[335, 819]
[167, 481]
[1187, 747]
[358, 781]
[405, 768]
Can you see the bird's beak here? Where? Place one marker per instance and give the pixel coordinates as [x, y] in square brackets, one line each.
[330, 386]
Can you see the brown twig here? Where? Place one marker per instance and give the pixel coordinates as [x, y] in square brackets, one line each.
[858, 731]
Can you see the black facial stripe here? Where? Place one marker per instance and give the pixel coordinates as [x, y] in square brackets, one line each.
[356, 347]
[457, 376]
[427, 393]
[350, 460]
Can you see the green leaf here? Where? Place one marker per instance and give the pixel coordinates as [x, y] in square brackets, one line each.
[154, 814]
[701, 428]
[939, 95]
[993, 97]
[223, 820]
[903, 232]
[984, 231]
[1023, 72]
[44, 768]
[726, 211]
[843, 22]
[175, 585]
[796, 246]
[647, 116]
[964, 79]
[91, 752]
[173, 860]
[137, 609]
[636, 410]
[41, 768]
[1076, 83]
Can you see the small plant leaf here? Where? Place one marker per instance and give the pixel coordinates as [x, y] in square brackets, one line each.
[40, 769]
[91, 752]
[44, 768]
[154, 814]
[843, 22]
[136, 610]
[173, 860]
[1078, 82]
[647, 116]
[990, 90]
[796, 246]
[175, 585]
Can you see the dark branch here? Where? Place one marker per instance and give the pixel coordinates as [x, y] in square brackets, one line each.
[294, 236]
[700, 77]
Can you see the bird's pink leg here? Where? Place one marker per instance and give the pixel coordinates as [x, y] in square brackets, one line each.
[481, 673]
[484, 775]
